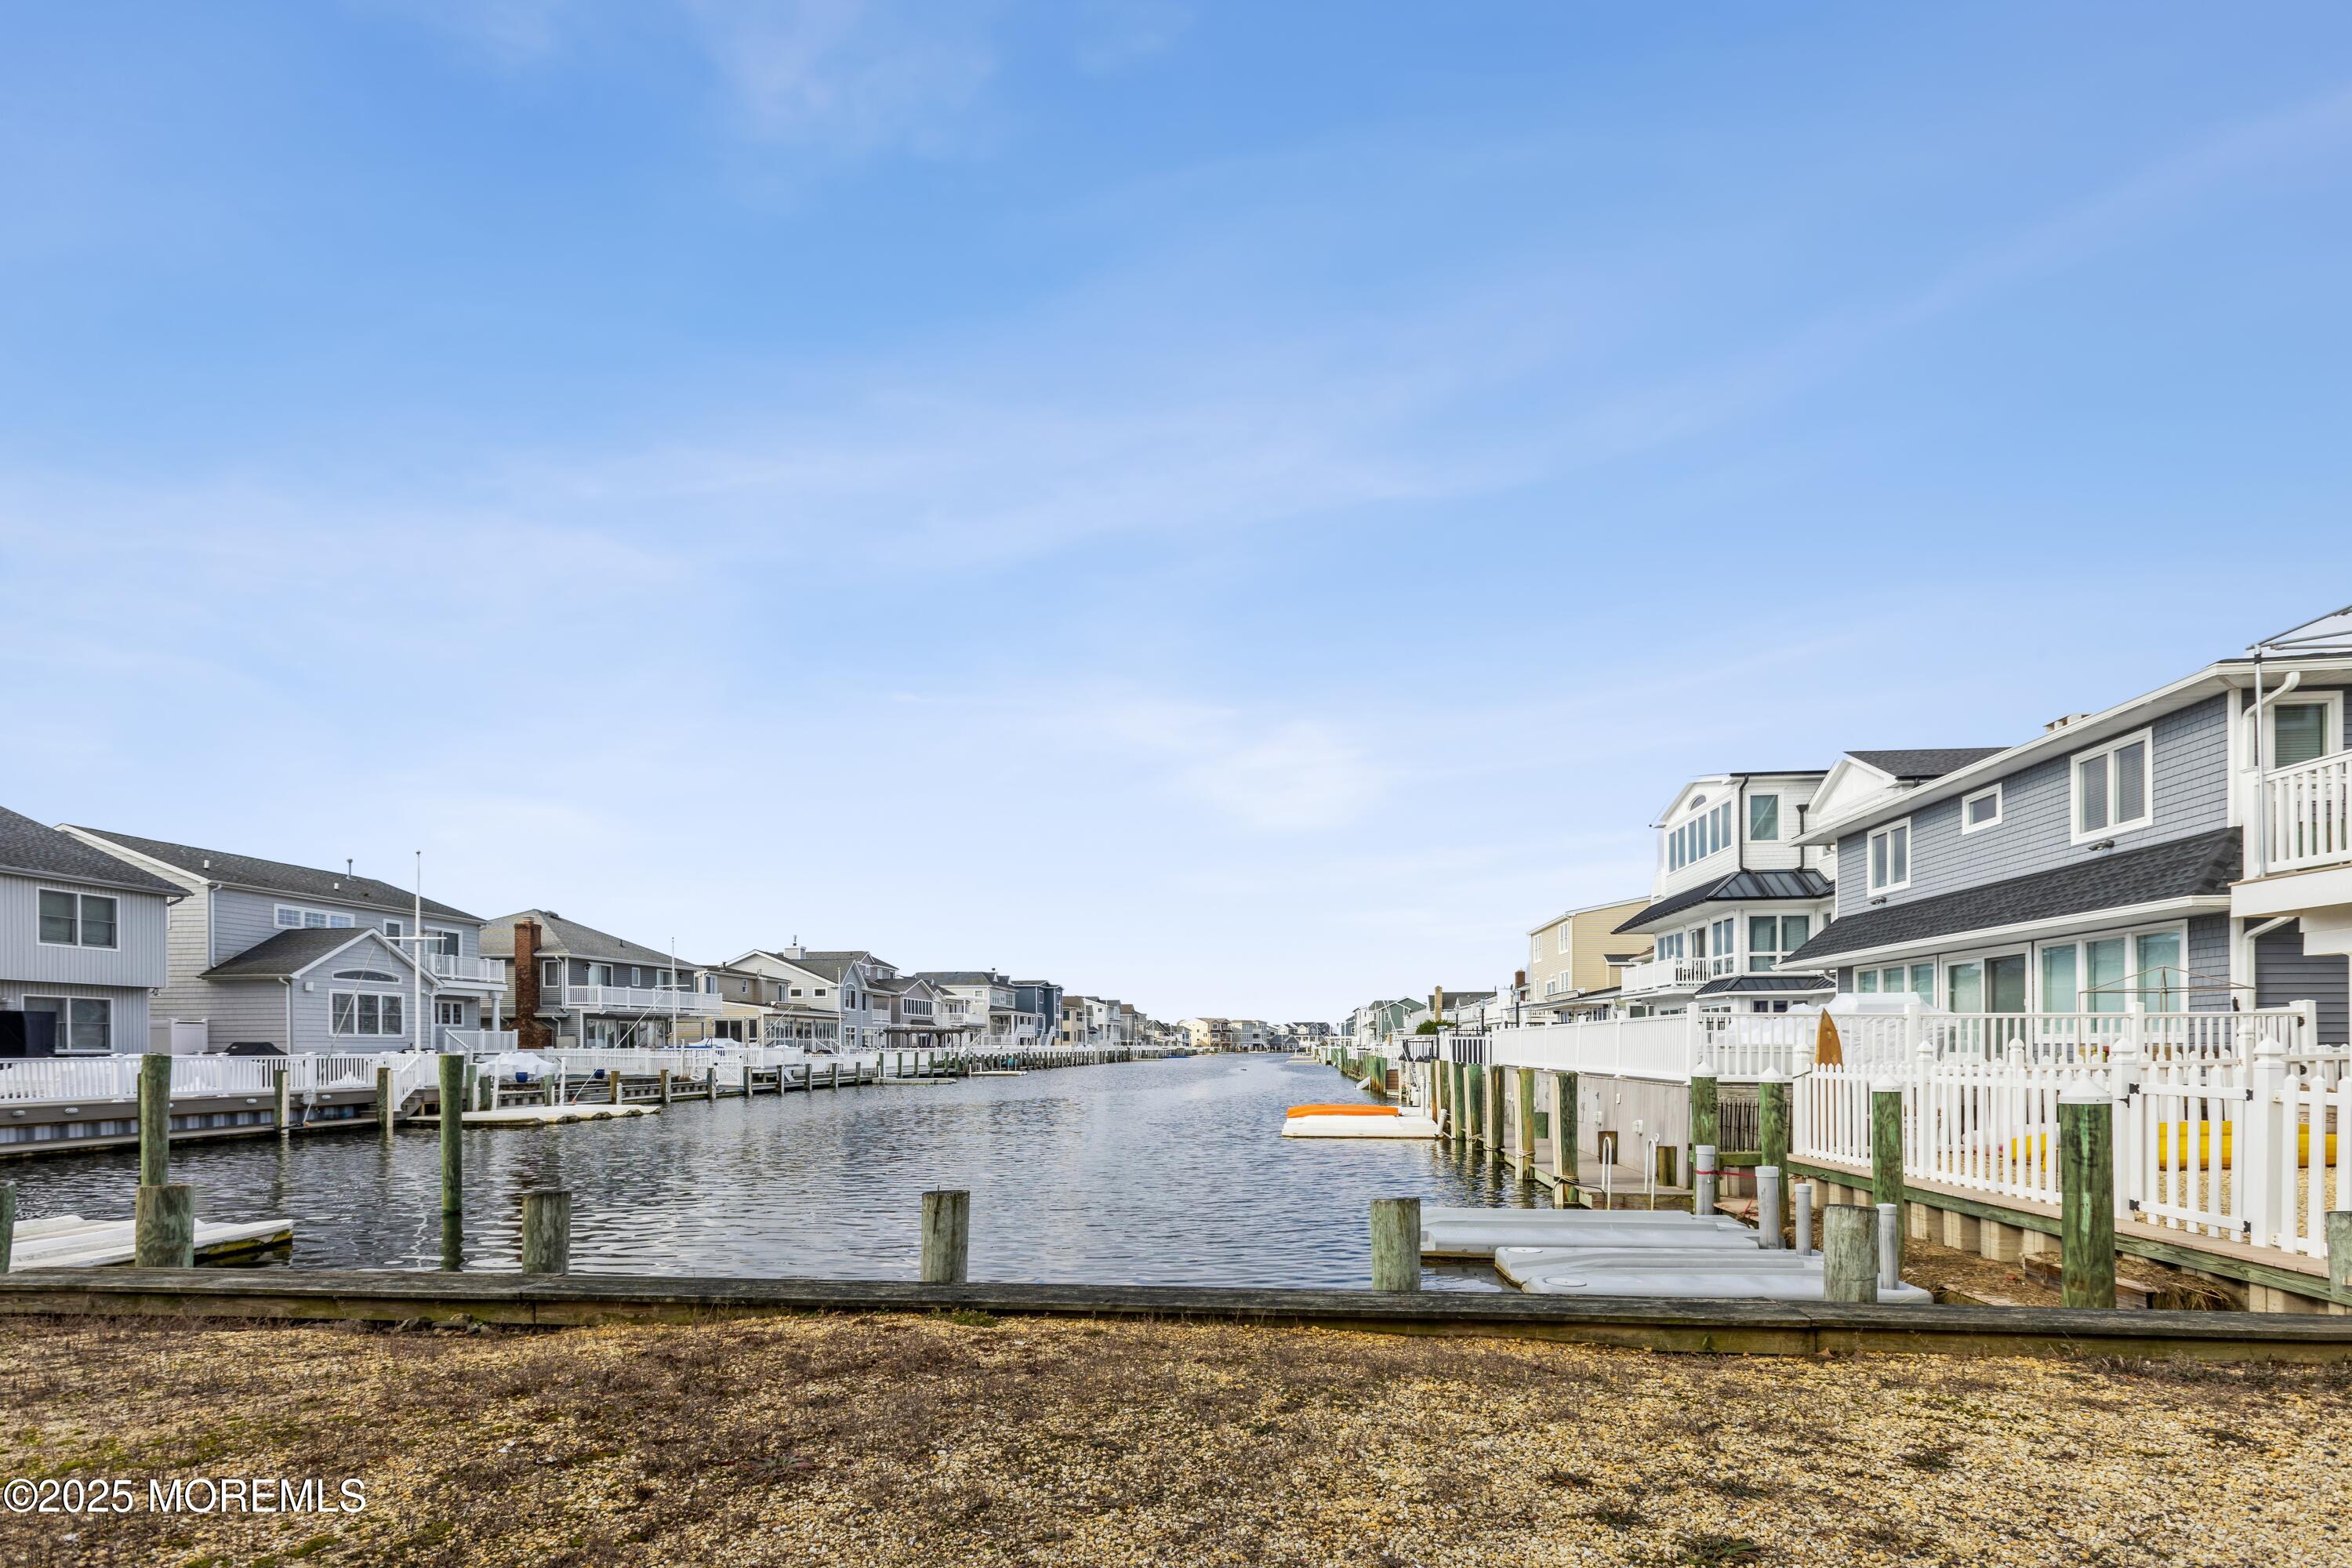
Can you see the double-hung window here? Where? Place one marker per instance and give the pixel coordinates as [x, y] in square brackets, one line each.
[1771, 938]
[2111, 787]
[76, 920]
[1890, 857]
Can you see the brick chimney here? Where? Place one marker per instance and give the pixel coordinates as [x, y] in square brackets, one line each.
[531, 1032]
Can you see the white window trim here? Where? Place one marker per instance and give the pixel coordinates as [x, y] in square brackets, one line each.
[1992, 821]
[2129, 936]
[65, 1019]
[398, 998]
[1779, 832]
[1981, 956]
[302, 912]
[2331, 700]
[1910, 857]
[2078, 833]
[77, 895]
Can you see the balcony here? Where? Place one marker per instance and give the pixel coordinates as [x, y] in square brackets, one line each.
[2307, 815]
[1674, 973]
[651, 1000]
[459, 969]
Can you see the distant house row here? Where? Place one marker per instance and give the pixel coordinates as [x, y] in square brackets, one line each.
[111, 942]
[2189, 848]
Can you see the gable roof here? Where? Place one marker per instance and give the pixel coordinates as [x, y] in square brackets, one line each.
[290, 953]
[38, 849]
[570, 939]
[278, 877]
[2202, 865]
[831, 964]
[1920, 763]
[1740, 887]
[962, 977]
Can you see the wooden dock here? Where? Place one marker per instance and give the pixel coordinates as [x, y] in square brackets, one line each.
[1701, 1327]
[70, 1241]
[543, 1115]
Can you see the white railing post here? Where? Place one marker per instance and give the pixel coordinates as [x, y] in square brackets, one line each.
[1915, 1042]
[2124, 1064]
[2257, 1148]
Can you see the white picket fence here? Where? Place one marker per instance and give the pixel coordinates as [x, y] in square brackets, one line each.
[2253, 1148]
[71, 1080]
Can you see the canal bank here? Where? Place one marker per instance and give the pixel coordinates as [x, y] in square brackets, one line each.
[878, 1440]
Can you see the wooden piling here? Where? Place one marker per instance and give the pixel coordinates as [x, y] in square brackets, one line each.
[1461, 1096]
[154, 1118]
[1475, 1128]
[473, 1085]
[947, 1236]
[7, 1222]
[1885, 1148]
[2339, 1234]
[2086, 1225]
[1849, 1252]
[386, 1113]
[547, 1231]
[282, 1099]
[1563, 1127]
[663, 1086]
[1396, 1244]
[163, 1225]
[1706, 1115]
[710, 1084]
[1526, 1087]
[453, 1134]
[833, 1081]
[1772, 1135]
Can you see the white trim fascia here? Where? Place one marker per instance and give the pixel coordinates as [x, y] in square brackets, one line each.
[1963, 942]
[2081, 735]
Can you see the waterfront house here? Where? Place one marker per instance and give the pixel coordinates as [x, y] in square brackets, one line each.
[572, 986]
[1734, 893]
[917, 1014]
[1040, 1000]
[838, 983]
[83, 942]
[980, 1002]
[265, 953]
[1577, 953]
[2186, 848]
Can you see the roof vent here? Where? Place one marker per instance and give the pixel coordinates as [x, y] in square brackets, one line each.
[2057, 724]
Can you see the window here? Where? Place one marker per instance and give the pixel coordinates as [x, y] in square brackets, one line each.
[1980, 810]
[1986, 984]
[550, 973]
[636, 975]
[1565, 926]
[449, 1015]
[442, 941]
[394, 929]
[600, 975]
[1764, 818]
[2083, 976]
[2111, 788]
[293, 917]
[85, 1024]
[1895, 979]
[2163, 981]
[366, 1013]
[2301, 731]
[1890, 857]
[76, 920]
[378, 976]
[1772, 937]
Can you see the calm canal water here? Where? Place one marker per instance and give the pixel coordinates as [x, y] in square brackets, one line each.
[1143, 1172]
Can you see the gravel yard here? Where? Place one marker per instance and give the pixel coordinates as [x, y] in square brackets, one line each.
[934, 1440]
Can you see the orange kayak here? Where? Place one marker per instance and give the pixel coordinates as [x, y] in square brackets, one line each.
[1343, 1111]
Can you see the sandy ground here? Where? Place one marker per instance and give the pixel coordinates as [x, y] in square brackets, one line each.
[967, 1440]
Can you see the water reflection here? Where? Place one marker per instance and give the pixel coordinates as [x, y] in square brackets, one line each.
[1148, 1172]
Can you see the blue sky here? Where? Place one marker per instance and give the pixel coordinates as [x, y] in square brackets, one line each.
[1243, 508]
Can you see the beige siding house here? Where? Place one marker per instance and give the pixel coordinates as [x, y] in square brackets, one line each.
[1571, 954]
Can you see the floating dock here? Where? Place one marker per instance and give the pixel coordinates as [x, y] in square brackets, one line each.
[70, 1241]
[544, 1115]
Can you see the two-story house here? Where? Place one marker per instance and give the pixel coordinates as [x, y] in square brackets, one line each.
[915, 1013]
[301, 958]
[1037, 1008]
[2187, 848]
[82, 941]
[572, 986]
[979, 1001]
[838, 983]
[1734, 894]
[1578, 954]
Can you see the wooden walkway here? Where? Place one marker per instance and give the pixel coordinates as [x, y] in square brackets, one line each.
[70, 1241]
[1752, 1328]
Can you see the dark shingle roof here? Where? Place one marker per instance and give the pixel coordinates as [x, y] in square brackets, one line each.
[571, 940]
[1767, 984]
[961, 977]
[832, 965]
[41, 850]
[2202, 865]
[290, 952]
[278, 877]
[1921, 763]
[1740, 887]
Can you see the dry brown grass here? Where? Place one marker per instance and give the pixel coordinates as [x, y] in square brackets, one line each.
[923, 1440]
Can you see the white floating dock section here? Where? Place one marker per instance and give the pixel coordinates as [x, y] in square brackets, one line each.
[1477, 1232]
[70, 1241]
[1753, 1275]
[1359, 1127]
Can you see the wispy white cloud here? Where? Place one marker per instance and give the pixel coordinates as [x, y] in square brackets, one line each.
[858, 76]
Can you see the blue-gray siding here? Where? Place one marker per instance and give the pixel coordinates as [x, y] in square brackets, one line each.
[136, 960]
[2284, 973]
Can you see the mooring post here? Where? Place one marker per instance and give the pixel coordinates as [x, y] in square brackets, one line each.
[386, 1113]
[1525, 1089]
[2086, 1224]
[1396, 1244]
[1849, 1252]
[453, 1150]
[547, 1231]
[710, 1083]
[947, 1236]
[473, 1084]
[1703, 1179]
[1885, 1150]
[665, 1086]
[2339, 1251]
[282, 1099]
[154, 1119]
[1706, 1120]
[1496, 1125]
[1563, 1127]
[9, 1223]
[1803, 1202]
[1458, 1093]
[1890, 1246]
[1772, 1146]
[1767, 1208]
[163, 1228]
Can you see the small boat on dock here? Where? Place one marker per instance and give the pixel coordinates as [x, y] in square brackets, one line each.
[70, 1241]
[1355, 1121]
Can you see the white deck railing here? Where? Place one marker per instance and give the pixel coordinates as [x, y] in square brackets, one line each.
[1658, 973]
[652, 1001]
[2307, 814]
[465, 967]
[71, 1080]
